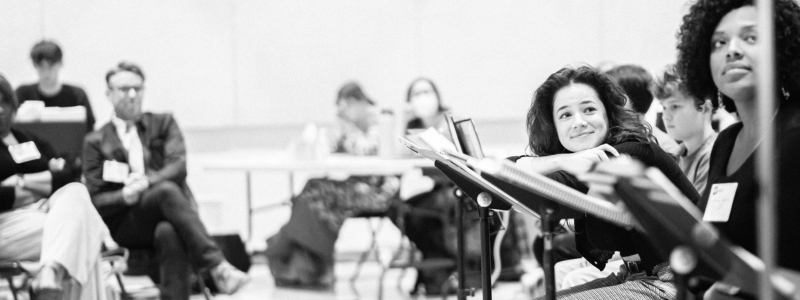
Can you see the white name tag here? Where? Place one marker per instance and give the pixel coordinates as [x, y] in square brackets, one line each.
[720, 202]
[114, 171]
[25, 152]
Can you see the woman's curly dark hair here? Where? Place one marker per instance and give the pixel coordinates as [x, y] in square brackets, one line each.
[694, 45]
[624, 125]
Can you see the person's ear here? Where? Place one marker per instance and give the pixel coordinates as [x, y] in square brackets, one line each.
[707, 106]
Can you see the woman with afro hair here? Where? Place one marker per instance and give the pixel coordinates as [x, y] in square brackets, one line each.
[718, 56]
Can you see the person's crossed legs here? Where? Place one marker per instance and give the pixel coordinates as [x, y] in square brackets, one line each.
[165, 203]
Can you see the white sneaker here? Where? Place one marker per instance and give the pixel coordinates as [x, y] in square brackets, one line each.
[228, 278]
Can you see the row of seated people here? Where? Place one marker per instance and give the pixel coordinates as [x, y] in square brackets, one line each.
[135, 196]
[301, 254]
[578, 117]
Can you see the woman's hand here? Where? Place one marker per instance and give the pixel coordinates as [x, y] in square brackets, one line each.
[580, 162]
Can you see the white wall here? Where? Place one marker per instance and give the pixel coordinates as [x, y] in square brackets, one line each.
[263, 63]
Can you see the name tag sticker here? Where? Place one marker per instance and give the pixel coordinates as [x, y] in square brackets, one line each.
[25, 152]
[720, 202]
[114, 171]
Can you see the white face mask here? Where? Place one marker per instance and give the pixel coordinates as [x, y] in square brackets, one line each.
[425, 105]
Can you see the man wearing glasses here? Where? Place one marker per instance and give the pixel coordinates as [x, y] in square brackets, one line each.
[135, 168]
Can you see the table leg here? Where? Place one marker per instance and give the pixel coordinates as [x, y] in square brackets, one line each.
[249, 197]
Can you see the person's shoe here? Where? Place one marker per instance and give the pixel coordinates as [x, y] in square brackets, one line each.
[48, 282]
[228, 278]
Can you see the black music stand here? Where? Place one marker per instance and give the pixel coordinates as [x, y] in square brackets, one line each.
[552, 200]
[487, 196]
[694, 247]
[485, 190]
[550, 214]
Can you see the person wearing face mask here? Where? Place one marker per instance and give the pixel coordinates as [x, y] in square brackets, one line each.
[425, 106]
[300, 255]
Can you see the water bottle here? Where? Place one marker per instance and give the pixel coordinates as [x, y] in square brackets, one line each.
[386, 146]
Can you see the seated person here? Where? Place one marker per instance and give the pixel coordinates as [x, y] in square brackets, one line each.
[714, 36]
[64, 232]
[425, 110]
[47, 59]
[635, 82]
[688, 120]
[135, 168]
[577, 118]
[301, 253]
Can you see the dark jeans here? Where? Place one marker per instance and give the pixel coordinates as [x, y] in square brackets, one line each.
[165, 219]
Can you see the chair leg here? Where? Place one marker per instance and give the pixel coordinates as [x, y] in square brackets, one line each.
[373, 247]
[206, 292]
[123, 293]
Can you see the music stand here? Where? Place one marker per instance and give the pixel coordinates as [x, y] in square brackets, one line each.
[553, 201]
[484, 193]
[694, 247]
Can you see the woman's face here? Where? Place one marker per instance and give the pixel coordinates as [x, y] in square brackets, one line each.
[580, 117]
[733, 53]
[423, 100]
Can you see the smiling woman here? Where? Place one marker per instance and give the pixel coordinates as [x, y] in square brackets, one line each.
[581, 120]
[577, 118]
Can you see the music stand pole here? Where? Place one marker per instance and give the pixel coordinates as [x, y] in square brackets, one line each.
[548, 256]
[462, 278]
[484, 200]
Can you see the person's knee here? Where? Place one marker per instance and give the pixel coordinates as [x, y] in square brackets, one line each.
[73, 193]
[166, 188]
[167, 241]
[165, 232]
[168, 193]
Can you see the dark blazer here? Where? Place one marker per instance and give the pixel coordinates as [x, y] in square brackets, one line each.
[164, 159]
[8, 167]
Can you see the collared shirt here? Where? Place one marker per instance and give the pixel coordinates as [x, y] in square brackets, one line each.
[129, 136]
[695, 164]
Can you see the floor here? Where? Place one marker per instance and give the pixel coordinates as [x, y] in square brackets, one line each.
[366, 287]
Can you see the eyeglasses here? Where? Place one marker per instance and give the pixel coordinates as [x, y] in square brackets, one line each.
[127, 89]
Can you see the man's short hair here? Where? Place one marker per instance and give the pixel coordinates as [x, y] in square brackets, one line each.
[670, 83]
[635, 81]
[46, 51]
[125, 66]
